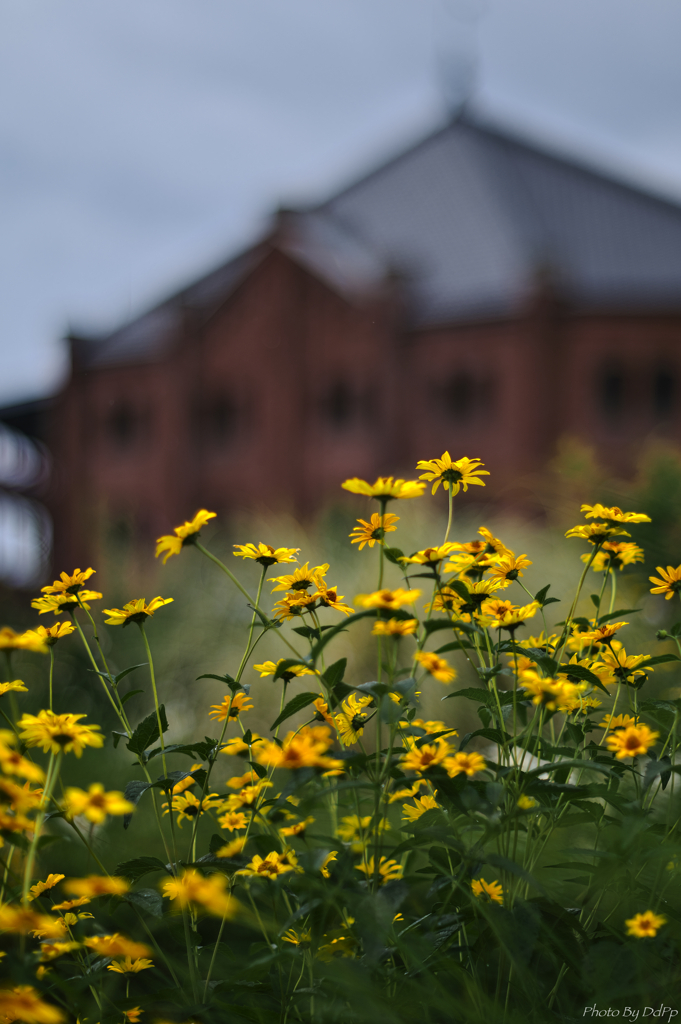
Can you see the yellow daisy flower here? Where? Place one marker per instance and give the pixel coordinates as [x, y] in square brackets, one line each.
[351, 720]
[614, 514]
[389, 599]
[670, 583]
[386, 488]
[458, 474]
[188, 533]
[395, 627]
[387, 869]
[135, 611]
[265, 554]
[631, 741]
[646, 925]
[374, 531]
[439, 668]
[95, 804]
[490, 890]
[130, 966]
[59, 734]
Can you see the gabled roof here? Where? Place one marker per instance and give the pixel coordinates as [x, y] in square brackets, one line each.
[467, 218]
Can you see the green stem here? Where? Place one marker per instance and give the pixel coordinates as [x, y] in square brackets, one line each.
[156, 704]
[451, 509]
[52, 775]
[51, 673]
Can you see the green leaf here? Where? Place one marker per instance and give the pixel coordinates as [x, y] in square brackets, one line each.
[504, 864]
[613, 615]
[477, 693]
[655, 768]
[455, 645]
[297, 703]
[127, 671]
[393, 555]
[319, 647]
[334, 673]
[461, 589]
[258, 769]
[127, 696]
[135, 869]
[595, 600]
[579, 672]
[133, 792]
[117, 737]
[433, 625]
[148, 900]
[147, 732]
[660, 659]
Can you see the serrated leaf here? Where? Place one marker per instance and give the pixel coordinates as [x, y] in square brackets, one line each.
[334, 673]
[147, 732]
[133, 792]
[579, 672]
[259, 770]
[297, 703]
[135, 869]
[148, 900]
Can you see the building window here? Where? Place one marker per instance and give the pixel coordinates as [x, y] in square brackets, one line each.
[460, 396]
[664, 392]
[215, 420]
[340, 405]
[123, 424]
[611, 388]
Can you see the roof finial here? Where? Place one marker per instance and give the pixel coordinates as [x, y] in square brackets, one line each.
[456, 51]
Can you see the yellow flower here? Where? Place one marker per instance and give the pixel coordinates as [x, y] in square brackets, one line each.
[265, 554]
[298, 829]
[70, 904]
[615, 555]
[116, 945]
[551, 693]
[232, 849]
[670, 583]
[189, 806]
[130, 966]
[579, 704]
[271, 866]
[420, 759]
[625, 666]
[268, 668]
[23, 1003]
[387, 869]
[233, 820]
[209, 893]
[601, 634]
[410, 812]
[462, 763]
[439, 668]
[352, 718]
[13, 763]
[15, 686]
[40, 887]
[304, 749]
[302, 578]
[248, 795]
[232, 705]
[431, 556]
[58, 734]
[505, 615]
[617, 721]
[595, 533]
[456, 475]
[185, 534]
[11, 641]
[57, 603]
[328, 597]
[389, 599]
[353, 830]
[133, 1015]
[21, 920]
[303, 938]
[135, 611]
[53, 950]
[526, 803]
[432, 725]
[49, 635]
[322, 709]
[185, 783]
[491, 890]
[646, 925]
[385, 489]
[324, 867]
[394, 627]
[97, 885]
[374, 531]
[631, 741]
[95, 804]
[480, 590]
[69, 584]
[507, 567]
[614, 514]
[296, 603]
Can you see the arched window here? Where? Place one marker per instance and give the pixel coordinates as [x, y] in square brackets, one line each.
[664, 392]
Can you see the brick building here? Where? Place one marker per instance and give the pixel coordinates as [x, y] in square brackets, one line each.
[476, 293]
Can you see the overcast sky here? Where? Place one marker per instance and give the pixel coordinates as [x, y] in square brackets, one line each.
[141, 141]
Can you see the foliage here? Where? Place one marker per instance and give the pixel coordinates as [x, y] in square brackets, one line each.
[360, 862]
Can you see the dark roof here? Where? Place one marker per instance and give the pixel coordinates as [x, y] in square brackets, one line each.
[467, 218]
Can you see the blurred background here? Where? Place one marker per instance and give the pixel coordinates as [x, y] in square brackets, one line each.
[250, 250]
